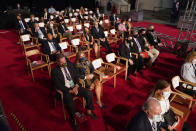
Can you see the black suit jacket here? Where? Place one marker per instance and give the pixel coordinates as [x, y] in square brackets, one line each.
[58, 77]
[141, 42]
[97, 34]
[61, 30]
[112, 18]
[31, 24]
[18, 26]
[125, 51]
[35, 33]
[140, 122]
[150, 39]
[46, 47]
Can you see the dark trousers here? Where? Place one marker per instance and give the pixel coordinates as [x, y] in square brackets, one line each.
[69, 103]
[106, 45]
[140, 63]
[133, 68]
[53, 57]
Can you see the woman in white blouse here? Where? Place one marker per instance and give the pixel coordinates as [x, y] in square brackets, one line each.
[162, 92]
[188, 70]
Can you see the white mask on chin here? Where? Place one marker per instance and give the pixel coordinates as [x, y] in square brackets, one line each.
[166, 94]
[194, 61]
[157, 118]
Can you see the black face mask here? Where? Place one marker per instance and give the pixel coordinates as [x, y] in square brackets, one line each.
[129, 41]
[64, 65]
[152, 30]
[135, 36]
[143, 35]
[83, 59]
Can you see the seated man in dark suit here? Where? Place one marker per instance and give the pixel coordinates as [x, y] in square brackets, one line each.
[64, 31]
[21, 25]
[113, 19]
[32, 22]
[152, 37]
[65, 78]
[52, 28]
[51, 47]
[138, 44]
[148, 119]
[98, 33]
[125, 50]
[39, 32]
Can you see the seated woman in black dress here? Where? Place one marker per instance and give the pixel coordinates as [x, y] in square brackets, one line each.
[86, 70]
[88, 37]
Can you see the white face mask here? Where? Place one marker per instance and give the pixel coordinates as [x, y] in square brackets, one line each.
[157, 118]
[166, 94]
[194, 61]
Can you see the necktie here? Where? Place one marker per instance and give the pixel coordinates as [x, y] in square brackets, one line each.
[154, 126]
[63, 27]
[67, 74]
[138, 45]
[21, 24]
[53, 45]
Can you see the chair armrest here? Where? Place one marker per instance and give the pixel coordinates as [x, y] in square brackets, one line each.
[122, 58]
[177, 112]
[179, 93]
[135, 54]
[189, 83]
[82, 82]
[99, 73]
[60, 92]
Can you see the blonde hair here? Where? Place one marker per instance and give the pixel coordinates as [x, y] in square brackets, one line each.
[190, 56]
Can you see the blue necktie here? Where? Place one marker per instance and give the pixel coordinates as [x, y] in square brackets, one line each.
[21, 24]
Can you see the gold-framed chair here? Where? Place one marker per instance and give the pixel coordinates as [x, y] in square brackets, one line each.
[66, 49]
[35, 65]
[113, 59]
[84, 45]
[27, 42]
[74, 98]
[104, 71]
[176, 84]
[180, 102]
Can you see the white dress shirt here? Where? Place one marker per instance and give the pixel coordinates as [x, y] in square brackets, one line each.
[52, 47]
[40, 34]
[188, 72]
[138, 44]
[155, 124]
[68, 84]
[21, 23]
[51, 10]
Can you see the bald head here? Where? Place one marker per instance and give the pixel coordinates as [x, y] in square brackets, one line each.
[152, 107]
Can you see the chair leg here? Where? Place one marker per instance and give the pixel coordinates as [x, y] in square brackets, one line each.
[126, 74]
[32, 75]
[89, 54]
[63, 109]
[115, 81]
[49, 70]
[83, 103]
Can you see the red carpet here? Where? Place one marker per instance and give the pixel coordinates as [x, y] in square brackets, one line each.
[32, 103]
